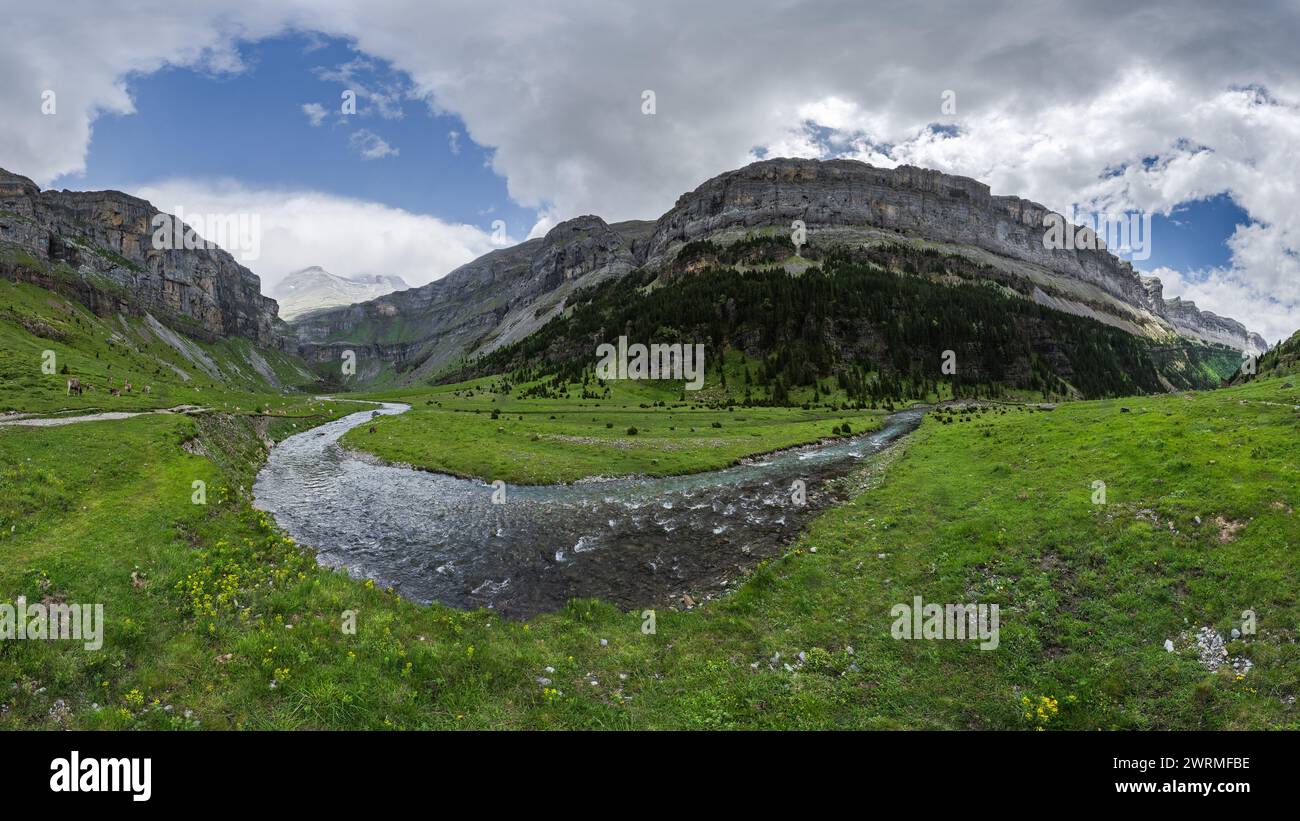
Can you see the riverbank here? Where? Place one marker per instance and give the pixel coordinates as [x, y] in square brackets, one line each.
[213, 613]
[524, 550]
[473, 431]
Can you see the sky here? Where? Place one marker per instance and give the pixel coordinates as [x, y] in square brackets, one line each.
[481, 124]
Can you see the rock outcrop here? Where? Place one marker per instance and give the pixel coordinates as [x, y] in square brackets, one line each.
[98, 246]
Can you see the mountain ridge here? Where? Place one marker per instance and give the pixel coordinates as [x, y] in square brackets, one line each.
[842, 202]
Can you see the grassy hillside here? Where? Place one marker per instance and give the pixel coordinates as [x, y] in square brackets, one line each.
[877, 323]
[1282, 360]
[104, 351]
[215, 615]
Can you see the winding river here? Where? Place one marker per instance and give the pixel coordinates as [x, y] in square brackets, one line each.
[632, 541]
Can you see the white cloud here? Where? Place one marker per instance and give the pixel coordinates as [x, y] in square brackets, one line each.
[1226, 293]
[344, 236]
[1045, 101]
[315, 113]
[385, 97]
[453, 142]
[370, 145]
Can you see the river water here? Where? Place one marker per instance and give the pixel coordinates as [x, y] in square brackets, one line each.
[633, 541]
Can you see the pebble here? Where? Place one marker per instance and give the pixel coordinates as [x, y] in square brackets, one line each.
[1169, 645]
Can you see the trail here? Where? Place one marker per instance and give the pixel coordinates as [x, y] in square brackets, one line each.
[29, 421]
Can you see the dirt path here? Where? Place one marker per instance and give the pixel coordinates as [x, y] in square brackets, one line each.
[55, 421]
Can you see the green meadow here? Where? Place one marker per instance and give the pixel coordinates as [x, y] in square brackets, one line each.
[216, 620]
[38, 326]
[474, 430]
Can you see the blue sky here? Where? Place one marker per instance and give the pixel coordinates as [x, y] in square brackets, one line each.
[250, 126]
[1193, 238]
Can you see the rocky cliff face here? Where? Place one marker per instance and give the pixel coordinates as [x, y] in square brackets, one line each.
[507, 294]
[98, 246]
[847, 201]
[498, 298]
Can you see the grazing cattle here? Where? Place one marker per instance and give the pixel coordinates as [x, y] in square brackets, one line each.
[74, 384]
[127, 387]
[114, 392]
[146, 388]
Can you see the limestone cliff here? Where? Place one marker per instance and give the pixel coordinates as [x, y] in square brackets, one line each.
[98, 246]
[846, 201]
[505, 295]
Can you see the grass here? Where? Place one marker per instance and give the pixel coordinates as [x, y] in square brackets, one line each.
[470, 430]
[228, 620]
[34, 321]
[213, 613]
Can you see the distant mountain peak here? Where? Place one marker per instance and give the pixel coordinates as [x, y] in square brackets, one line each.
[313, 288]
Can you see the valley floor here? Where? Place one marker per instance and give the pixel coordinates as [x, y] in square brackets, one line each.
[467, 430]
[216, 620]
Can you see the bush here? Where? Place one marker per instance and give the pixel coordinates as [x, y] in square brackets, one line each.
[631, 431]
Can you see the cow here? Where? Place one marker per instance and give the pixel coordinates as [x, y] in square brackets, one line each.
[146, 388]
[114, 392]
[74, 384]
[126, 386]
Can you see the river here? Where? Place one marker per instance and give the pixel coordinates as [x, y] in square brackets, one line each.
[631, 541]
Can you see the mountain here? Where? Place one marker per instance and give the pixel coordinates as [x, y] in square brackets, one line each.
[186, 311]
[98, 246]
[875, 323]
[503, 296]
[1281, 360]
[314, 288]
[498, 298]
